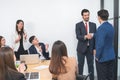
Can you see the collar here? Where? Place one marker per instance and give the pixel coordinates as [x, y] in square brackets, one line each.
[102, 22]
[85, 22]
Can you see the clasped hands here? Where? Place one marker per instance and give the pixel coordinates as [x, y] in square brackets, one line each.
[89, 36]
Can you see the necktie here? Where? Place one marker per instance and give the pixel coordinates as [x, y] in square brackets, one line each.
[86, 27]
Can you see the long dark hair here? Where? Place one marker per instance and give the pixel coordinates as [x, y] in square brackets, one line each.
[17, 22]
[3, 68]
[57, 64]
[0, 40]
[6, 60]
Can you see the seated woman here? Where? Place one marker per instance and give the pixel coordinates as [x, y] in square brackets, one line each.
[8, 70]
[38, 48]
[2, 41]
[61, 66]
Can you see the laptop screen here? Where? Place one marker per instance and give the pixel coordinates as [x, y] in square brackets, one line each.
[30, 59]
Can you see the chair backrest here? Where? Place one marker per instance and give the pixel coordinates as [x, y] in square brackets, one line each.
[82, 77]
[79, 77]
[54, 78]
[87, 76]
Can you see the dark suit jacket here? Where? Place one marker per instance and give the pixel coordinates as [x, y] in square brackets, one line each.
[104, 42]
[32, 50]
[14, 75]
[80, 33]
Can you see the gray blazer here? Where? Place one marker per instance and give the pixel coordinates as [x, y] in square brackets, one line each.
[80, 33]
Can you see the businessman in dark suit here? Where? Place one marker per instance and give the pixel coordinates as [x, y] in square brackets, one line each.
[86, 43]
[38, 48]
[105, 55]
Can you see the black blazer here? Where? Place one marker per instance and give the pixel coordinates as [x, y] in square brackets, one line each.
[32, 50]
[80, 33]
[14, 75]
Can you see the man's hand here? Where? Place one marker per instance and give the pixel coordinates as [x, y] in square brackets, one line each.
[88, 36]
[94, 52]
[46, 47]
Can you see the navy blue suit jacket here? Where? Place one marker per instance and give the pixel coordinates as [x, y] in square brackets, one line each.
[80, 33]
[32, 50]
[104, 42]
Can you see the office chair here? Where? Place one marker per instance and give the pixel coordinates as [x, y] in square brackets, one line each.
[82, 77]
[54, 78]
[79, 77]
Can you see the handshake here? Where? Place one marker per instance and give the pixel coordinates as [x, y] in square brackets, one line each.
[88, 36]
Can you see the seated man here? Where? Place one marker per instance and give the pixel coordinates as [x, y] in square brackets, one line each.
[38, 48]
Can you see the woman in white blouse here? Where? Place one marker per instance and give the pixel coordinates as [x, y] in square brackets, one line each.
[19, 39]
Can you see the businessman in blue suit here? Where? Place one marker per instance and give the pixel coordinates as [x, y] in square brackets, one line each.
[105, 55]
[38, 48]
[86, 43]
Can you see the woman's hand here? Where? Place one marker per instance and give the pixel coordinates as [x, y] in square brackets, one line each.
[25, 36]
[22, 67]
[18, 39]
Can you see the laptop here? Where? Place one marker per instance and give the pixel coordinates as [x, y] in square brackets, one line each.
[30, 58]
[32, 76]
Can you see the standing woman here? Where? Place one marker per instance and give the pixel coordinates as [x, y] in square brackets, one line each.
[61, 66]
[20, 38]
[2, 41]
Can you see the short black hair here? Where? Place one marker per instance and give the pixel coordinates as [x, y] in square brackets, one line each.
[103, 14]
[84, 11]
[31, 38]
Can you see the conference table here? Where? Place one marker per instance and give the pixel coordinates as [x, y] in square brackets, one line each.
[44, 73]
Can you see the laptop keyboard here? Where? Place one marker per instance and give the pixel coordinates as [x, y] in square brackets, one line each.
[27, 75]
[32, 75]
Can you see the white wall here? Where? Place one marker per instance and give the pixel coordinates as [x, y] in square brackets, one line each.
[49, 20]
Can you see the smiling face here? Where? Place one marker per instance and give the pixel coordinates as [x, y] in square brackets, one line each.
[85, 16]
[20, 25]
[3, 41]
[35, 41]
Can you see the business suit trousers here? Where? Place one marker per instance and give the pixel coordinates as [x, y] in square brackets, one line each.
[105, 70]
[90, 62]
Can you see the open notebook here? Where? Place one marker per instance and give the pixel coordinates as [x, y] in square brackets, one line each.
[32, 76]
